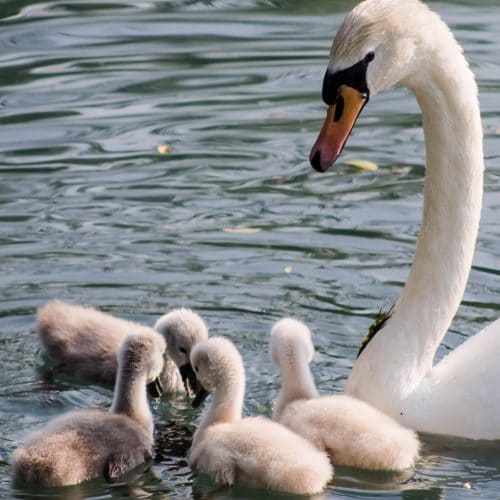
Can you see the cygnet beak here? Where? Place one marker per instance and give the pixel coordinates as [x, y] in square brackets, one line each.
[200, 395]
[189, 379]
[155, 388]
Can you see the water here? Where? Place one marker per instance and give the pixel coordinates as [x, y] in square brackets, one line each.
[92, 213]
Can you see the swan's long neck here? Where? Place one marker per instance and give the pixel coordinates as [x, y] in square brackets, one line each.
[130, 398]
[400, 355]
[227, 402]
[296, 382]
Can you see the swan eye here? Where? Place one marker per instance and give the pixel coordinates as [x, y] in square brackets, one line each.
[181, 349]
[370, 56]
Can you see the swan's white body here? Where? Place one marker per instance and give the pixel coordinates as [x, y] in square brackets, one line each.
[351, 431]
[459, 396]
[85, 342]
[86, 444]
[252, 450]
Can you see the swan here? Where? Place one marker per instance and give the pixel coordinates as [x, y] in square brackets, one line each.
[252, 450]
[85, 342]
[351, 431]
[87, 444]
[381, 43]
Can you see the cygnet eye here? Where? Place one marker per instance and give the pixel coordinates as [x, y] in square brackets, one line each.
[181, 349]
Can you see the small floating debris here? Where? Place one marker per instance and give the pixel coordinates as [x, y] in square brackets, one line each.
[467, 486]
[241, 230]
[274, 116]
[288, 269]
[362, 164]
[163, 149]
[400, 169]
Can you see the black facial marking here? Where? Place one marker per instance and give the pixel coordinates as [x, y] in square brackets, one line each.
[354, 77]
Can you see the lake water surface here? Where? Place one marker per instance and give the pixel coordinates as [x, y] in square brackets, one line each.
[231, 222]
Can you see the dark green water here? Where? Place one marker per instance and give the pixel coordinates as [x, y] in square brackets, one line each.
[91, 213]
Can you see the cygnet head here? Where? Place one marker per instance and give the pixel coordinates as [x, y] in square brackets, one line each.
[379, 43]
[290, 338]
[142, 355]
[182, 329]
[292, 350]
[217, 363]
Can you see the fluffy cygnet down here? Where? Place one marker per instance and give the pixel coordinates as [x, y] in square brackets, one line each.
[87, 444]
[351, 431]
[85, 342]
[254, 450]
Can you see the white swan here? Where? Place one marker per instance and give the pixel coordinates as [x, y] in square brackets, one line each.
[86, 444]
[253, 450]
[85, 342]
[351, 431]
[381, 43]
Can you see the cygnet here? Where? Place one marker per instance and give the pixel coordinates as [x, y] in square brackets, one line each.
[85, 342]
[352, 432]
[88, 444]
[252, 450]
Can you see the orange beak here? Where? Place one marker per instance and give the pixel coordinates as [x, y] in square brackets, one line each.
[340, 120]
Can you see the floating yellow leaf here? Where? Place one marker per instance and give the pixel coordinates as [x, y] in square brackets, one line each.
[362, 164]
[247, 230]
[467, 486]
[288, 269]
[163, 149]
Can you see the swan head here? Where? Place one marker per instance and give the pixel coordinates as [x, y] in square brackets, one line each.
[217, 363]
[290, 339]
[142, 355]
[380, 43]
[182, 329]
